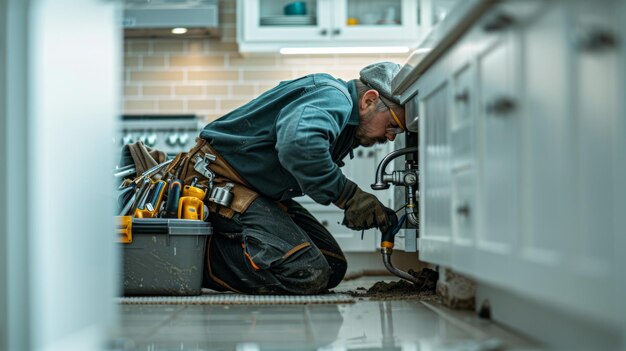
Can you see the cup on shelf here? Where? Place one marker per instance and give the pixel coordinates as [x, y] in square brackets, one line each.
[390, 16]
[295, 8]
[369, 19]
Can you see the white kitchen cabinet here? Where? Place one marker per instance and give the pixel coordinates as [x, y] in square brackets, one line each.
[597, 111]
[263, 25]
[436, 182]
[498, 145]
[519, 126]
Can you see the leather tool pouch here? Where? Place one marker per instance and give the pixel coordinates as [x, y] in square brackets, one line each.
[243, 196]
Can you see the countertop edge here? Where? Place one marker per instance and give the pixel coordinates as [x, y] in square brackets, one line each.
[437, 42]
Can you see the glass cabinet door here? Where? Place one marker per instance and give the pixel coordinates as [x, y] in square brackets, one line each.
[332, 22]
[286, 20]
[367, 19]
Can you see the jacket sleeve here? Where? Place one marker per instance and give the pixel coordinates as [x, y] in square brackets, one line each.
[305, 131]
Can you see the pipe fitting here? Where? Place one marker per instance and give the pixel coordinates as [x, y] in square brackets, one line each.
[383, 179]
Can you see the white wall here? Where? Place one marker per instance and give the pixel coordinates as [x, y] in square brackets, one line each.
[61, 93]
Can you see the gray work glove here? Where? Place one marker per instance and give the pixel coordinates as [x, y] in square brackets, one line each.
[363, 210]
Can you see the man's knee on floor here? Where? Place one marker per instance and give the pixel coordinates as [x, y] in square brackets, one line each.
[305, 276]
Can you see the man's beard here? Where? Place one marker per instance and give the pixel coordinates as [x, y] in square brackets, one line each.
[362, 130]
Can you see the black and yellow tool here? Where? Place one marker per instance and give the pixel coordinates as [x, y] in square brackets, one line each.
[173, 195]
[151, 208]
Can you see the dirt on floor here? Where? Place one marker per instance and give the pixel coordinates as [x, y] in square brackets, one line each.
[402, 289]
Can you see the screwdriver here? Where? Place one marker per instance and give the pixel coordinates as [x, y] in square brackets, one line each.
[173, 195]
[151, 207]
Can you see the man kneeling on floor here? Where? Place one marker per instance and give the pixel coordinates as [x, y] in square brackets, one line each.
[288, 142]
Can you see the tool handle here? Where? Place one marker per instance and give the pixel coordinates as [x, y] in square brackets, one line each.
[388, 237]
[173, 195]
[157, 197]
[190, 208]
[194, 191]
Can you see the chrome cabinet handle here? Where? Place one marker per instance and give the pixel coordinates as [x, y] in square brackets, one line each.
[595, 39]
[498, 22]
[463, 210]
[336, 31]
[462, 96]
[324, 32]
[500, 106]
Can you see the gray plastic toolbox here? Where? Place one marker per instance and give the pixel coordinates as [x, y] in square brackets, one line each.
[165, 256]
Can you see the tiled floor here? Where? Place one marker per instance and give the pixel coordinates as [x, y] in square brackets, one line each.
[365, 325]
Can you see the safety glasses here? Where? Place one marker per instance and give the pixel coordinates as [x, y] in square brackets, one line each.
[399, 129]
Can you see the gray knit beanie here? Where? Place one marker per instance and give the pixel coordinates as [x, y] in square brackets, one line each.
[379, 76]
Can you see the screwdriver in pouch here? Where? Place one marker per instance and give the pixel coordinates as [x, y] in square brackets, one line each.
[151, 208]
[173, 194]
[132, 203]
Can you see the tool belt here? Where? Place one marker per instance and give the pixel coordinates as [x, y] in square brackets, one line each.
[225, 176]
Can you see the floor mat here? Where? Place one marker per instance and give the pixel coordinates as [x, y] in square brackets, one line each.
[236, 299]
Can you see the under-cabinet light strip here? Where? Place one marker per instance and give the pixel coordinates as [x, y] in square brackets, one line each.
[346, 50]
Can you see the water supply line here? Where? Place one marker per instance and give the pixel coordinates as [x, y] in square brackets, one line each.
[407, 178]
[386, 249]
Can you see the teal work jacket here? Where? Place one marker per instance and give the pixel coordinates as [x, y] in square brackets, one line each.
[291, 140]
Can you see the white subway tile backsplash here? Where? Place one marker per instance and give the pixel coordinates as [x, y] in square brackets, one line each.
[209, 77]
[158, 90]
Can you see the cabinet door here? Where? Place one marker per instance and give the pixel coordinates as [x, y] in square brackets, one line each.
[266, 20]
[362, 170]
[435, 180]
[462, 121]
[547, 139]
[595, 107]
[363, 20]
[498, 144]
[265, 26]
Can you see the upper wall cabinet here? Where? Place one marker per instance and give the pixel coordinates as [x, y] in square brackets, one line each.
[269, 25]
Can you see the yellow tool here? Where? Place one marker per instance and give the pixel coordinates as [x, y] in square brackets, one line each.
[194, 191]
[190, 207]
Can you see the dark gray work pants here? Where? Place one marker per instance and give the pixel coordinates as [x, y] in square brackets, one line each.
[272, 249]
